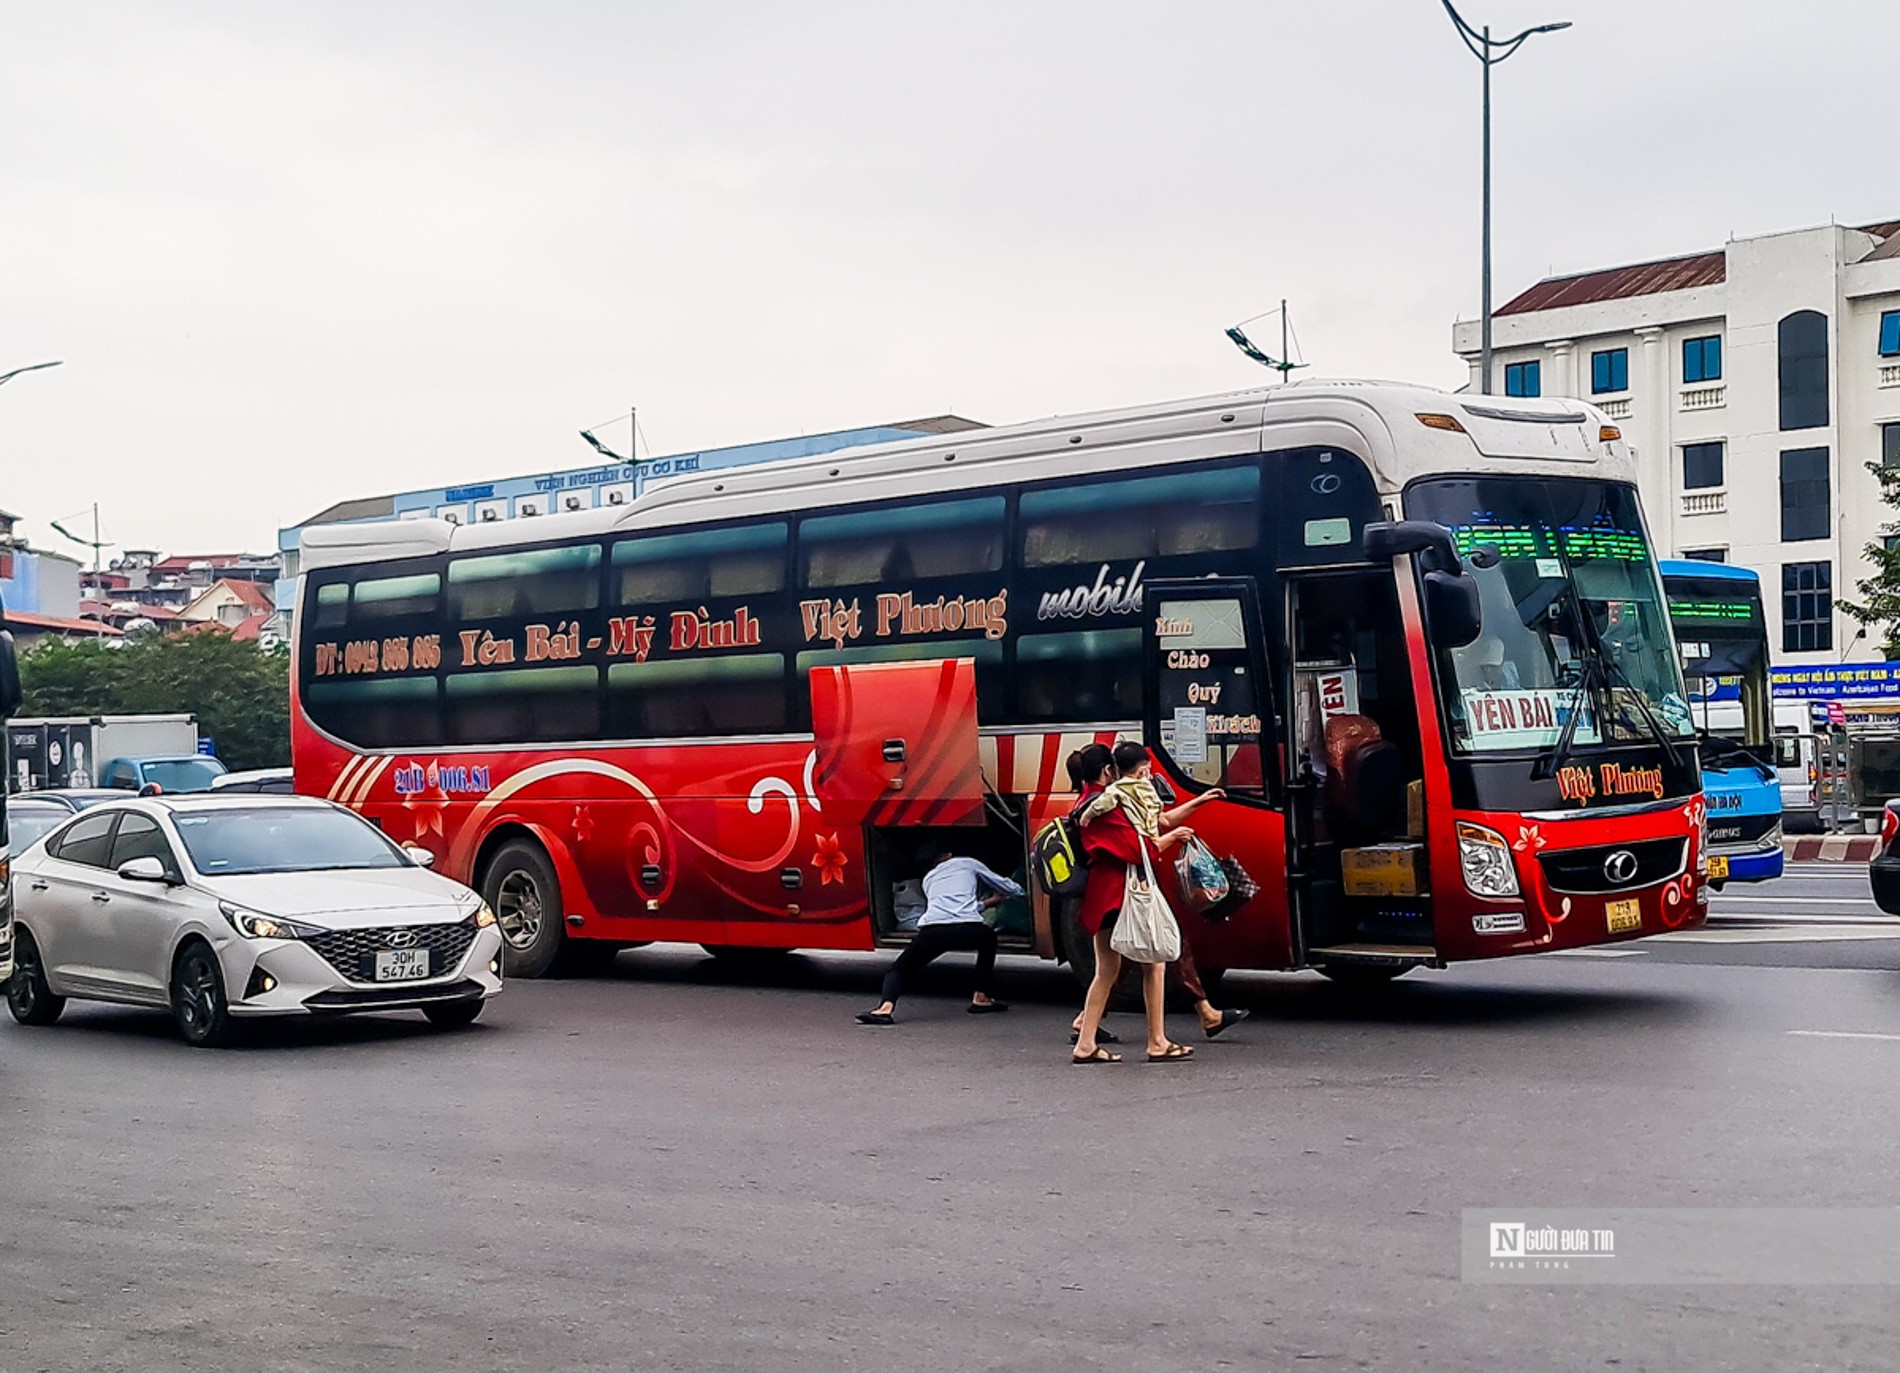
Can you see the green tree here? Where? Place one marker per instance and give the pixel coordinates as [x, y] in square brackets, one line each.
[1878, 609]
[239, 691]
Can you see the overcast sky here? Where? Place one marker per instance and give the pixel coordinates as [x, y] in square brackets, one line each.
[297, 252]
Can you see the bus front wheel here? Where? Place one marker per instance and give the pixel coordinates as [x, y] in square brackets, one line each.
[523, 891]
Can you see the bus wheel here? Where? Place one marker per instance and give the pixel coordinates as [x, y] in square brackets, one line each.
[1364, 975]
[525, 895]
[1079, 948]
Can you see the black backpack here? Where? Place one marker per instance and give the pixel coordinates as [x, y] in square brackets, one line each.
[1057, 857]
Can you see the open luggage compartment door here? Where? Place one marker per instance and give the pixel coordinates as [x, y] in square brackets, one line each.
[897, 743]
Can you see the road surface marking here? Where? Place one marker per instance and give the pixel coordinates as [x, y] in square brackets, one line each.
[1593, 953]
[1842, 1034]
[1783, 935]
[1727, 897]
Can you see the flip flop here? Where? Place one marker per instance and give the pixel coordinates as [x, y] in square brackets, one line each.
[1175, 1054]
[1101, 1037]
[1228, 1019]
[1100, 1055]
[876, 1018]
[994, 1008]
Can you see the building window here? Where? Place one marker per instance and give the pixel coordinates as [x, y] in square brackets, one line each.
[1890, 445]
[1804, 494]
[1524, 379]
[1802, 339]
[1702, 359]
[1701, 465]
[1609, 371]
[1706, 555]
[1807, 607]
[1890, 334]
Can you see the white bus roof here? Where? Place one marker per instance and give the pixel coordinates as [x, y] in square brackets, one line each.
[1378, 421]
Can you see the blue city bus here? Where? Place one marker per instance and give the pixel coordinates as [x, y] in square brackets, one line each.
[1722, 636]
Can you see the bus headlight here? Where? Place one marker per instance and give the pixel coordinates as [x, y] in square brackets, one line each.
[1486, 860]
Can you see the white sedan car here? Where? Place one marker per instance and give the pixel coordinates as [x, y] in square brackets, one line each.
[225, 908]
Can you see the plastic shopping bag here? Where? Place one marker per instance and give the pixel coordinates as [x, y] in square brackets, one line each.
[1203, 883]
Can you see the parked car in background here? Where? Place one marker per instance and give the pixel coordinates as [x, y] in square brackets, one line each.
[268, 781]
[228, 908]
[1883, 874]
[33, 814]
[183, 772]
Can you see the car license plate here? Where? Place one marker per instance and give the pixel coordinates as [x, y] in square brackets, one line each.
[409, 965]
[1624, 916]
[1718, 868]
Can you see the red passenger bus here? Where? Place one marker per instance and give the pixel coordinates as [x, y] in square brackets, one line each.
[1418, 639]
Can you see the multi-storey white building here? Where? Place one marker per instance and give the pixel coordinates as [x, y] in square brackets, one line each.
[1755, 383]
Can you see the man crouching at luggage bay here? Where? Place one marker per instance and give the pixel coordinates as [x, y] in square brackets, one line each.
[952, 920]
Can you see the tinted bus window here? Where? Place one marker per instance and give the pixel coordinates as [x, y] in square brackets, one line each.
[333, 605]
[523, 705]
[701, 565]
[540, 581]
[399, 713]
[389, 598]
[905, 543]
[1143, 517]
[1090, 675]
[695, 697]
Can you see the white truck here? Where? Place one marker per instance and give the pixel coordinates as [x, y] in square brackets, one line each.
[127, 752]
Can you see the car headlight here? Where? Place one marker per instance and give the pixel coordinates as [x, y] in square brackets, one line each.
[1772, 839]
[1486, 860]
[256, 925]
[481, 919]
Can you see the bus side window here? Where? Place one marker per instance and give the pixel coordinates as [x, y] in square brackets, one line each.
[1084, 676]
[748, 560]
[333, 606]
[539, 581]
[1143, 517]
[895, 545]
[393, 598]
[398, 712]
[697, 697]
[533, 704]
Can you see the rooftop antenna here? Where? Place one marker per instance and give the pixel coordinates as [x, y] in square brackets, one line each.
[95, 543]
[633, 445]
[1282, 364]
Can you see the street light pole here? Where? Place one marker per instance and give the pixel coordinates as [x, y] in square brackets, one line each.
[1489, 53]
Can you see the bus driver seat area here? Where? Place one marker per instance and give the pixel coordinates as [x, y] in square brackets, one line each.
[1364, 796]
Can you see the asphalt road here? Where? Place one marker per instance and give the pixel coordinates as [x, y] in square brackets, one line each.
[678, 1167]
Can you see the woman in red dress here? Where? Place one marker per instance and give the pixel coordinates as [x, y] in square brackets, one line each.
[1112, 845]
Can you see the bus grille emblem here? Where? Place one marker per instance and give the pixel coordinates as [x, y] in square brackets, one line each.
[1619, 867]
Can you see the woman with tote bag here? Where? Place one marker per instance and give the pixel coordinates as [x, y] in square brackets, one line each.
[1121, 886]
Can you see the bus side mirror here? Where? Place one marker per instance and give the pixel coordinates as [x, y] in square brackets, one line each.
[1453, 609]
[1430, 541]
[10, 693]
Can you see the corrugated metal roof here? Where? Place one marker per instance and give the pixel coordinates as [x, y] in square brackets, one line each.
[1653, 278]
[1618, 283]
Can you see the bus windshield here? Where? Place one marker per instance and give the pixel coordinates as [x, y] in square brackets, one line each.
[1722, 636]
[1574, 618]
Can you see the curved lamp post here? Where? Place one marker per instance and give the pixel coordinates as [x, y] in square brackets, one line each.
[1490, 52]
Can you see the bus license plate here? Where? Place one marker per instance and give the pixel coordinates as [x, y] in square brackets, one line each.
[412, 965]
[1718, 868]
[1624, 916]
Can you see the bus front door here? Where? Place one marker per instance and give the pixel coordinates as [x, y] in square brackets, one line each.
[1210, 720]
[896, 763]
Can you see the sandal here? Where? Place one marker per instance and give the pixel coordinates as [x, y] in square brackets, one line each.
[1100, 1055]
[876, 1018]
[1228, 1019]
[1175, 1053]
[1101, 1036]
[992, 1008]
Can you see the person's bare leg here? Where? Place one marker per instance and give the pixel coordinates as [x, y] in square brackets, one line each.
[1108, 967]
[1154, 995]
